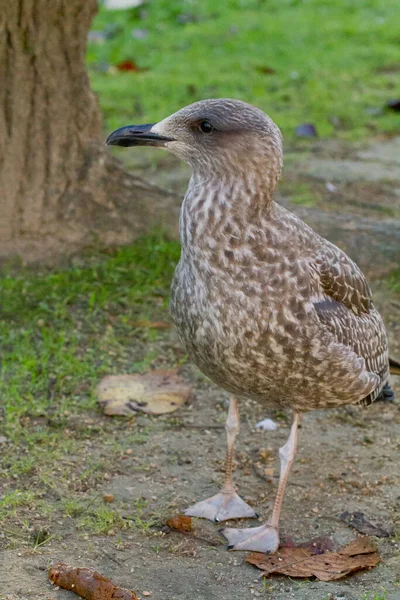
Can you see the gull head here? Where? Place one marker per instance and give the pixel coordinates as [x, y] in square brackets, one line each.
[217, 137]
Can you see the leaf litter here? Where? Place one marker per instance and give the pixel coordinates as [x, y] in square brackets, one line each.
[359, 521]
[329, 566]
[155, 393]
[180, 523]
[88, 584]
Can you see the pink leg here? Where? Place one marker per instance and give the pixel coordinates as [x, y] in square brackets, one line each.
[266, 538]
[227, 504]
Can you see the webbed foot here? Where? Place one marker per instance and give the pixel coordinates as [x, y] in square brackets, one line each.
[254, 539]
[221, 507]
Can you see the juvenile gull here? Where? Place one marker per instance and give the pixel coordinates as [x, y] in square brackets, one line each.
[265, 307]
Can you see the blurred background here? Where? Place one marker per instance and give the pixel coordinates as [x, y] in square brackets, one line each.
[333, 64]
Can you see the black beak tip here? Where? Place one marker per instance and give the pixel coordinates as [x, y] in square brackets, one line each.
[110, 141]
[136, 135]
[113, 140]
[121, 137]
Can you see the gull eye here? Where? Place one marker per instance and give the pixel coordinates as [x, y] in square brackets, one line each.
[206, 127]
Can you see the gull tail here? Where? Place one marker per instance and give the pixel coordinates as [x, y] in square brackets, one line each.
[394, 366]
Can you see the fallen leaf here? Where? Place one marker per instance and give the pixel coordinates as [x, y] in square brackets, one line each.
[317, 545]
[394, 105]
[285, 562]
[129, 65]
[151, 324]
[155, 393]
[359, 521]
[180, 523]
[87, 583]
[266, 70]
[306, 130]
[362, 545]
[328, 566]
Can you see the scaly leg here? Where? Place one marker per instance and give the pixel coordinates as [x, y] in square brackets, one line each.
[227, 504]
[266, 538]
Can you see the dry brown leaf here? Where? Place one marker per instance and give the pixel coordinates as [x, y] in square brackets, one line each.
[88, 584]
[361, 545]
[329, 566]
[180, 523]
[317, 545]
[360, 522]
[285, 562]
[155, 393]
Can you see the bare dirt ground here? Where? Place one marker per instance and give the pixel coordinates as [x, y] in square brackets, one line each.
[347, 460]
[157, 466]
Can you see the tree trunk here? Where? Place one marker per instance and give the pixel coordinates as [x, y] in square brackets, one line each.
[60, 187]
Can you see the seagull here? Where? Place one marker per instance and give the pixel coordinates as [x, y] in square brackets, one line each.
[265, 307]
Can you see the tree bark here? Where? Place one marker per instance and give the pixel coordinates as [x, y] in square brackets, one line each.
[60, 187]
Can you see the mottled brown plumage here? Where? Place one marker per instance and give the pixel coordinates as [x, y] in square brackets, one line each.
[265, 307]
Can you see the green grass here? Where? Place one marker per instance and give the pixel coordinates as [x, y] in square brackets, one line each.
[13, 500]
[62, 329]
[103, 519]
[330, 62]
[394, 281]
[302, 193]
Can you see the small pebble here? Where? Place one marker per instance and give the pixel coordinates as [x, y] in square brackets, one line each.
[330, 187]
[267, 425]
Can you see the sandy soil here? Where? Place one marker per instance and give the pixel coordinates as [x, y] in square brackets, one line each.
[347, 460]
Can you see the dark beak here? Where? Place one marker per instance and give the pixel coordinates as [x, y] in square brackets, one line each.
[136, 135]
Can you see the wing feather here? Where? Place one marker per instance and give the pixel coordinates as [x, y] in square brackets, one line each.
[344, 305]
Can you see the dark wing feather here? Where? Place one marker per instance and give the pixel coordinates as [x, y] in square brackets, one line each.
[342, 280]
[344, 306]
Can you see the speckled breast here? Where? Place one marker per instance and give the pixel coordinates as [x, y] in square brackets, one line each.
[235, 336]
[256, 341]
